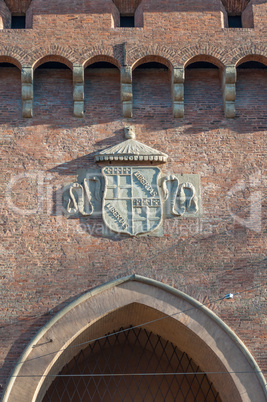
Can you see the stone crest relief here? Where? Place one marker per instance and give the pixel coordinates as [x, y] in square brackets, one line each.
[131, 202]
[130, 191]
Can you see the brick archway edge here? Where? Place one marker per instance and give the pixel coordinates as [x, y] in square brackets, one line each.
[162, 309]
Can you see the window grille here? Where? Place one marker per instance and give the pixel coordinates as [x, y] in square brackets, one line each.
[144, 363]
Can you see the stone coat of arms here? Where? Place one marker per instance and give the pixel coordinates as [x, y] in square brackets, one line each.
[130, 192]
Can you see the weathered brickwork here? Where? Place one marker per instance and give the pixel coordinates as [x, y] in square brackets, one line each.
[48, 260]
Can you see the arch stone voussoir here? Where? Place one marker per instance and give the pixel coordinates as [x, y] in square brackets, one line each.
[159, 308]
[52, 53]
[162, 54]
[13, 55]
[207, 53]
[94, 54]
[249, 53]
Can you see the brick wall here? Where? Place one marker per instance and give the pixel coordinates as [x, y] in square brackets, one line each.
[47, 260]
[4, 15]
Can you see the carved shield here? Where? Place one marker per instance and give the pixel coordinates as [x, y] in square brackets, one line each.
[132, 203]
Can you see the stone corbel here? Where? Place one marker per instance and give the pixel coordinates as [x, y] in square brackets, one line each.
[229, 91]
[27, 91]
[78, 90]
[178, 91]
[126, 91]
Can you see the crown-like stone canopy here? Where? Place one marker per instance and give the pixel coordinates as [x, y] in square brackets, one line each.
[131, 151]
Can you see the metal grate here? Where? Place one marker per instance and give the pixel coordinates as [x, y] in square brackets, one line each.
[135, 351]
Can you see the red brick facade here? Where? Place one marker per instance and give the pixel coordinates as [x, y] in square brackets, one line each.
[47, 260]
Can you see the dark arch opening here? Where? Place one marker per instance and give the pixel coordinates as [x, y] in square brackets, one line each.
[201, 64]
[152, 65]
[53, 65]
[102, 64]
[251, 64]
[122, 363]
[8, 65]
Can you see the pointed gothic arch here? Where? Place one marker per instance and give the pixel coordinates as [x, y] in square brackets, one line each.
[143, 302]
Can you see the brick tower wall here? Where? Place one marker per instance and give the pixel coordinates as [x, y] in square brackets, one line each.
[48, 260]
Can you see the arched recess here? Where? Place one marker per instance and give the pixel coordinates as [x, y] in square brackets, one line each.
[53, 85]
[152, 87]
[156, 307]
[251, 88]
[102, 81]
[10, 89]
[203, 75]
